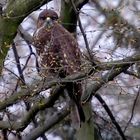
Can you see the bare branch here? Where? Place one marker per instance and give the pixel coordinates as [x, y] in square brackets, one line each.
[131, 73]
[18, 63]
[48, 124]
[45, 103]
[14, 13]
[109, 76]
[110, 115]
[38, 87]
[133, 109]
[119, 66]
[83, 33]
[24, 34]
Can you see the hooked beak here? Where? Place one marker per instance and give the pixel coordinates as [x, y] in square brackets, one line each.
[48, 22]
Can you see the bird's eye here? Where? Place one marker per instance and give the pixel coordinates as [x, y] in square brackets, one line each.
[42, 17]
[54, 18]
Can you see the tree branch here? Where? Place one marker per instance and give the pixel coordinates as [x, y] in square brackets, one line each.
[109, 76]
[48, 124]
[83, 33]
[68, 15]
[45, 103]
[12, 16]
[21, 76]
[133, 109]
[110, 115]
[37, 87]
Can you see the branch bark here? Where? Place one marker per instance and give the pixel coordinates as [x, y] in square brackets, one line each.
[38, 106]
[118, 67]
[68, 15]
[111, 116]
[37, 88]
[12, 16]
[48, 124]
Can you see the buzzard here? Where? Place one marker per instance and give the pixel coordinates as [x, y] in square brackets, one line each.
[58, 54]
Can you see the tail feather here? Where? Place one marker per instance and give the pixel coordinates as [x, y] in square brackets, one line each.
[81, 113]
[74, 91]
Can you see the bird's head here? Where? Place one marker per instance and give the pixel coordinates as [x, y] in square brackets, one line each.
[47, 18]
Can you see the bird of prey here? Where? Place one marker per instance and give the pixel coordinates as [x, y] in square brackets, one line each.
[58, 53]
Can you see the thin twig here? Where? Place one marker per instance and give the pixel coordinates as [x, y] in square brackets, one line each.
[132, 74]
[24, 34]
[133, 109]
[105, 106]
[18, 63]
[83, 33]
[28, 39]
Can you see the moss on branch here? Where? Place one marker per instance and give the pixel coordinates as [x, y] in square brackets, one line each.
[12, 16]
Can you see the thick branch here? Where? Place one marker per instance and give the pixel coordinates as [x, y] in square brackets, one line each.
[36, 89]
[118, 67]
[48, 124]
[119, 63]
[19, 126]
[13, 15]
[68, 15]
[109, 76]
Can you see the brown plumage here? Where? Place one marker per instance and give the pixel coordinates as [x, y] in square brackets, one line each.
[58, 53]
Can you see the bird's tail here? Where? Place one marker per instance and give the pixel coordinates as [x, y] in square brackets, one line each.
[81, 113]
[74, 91]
